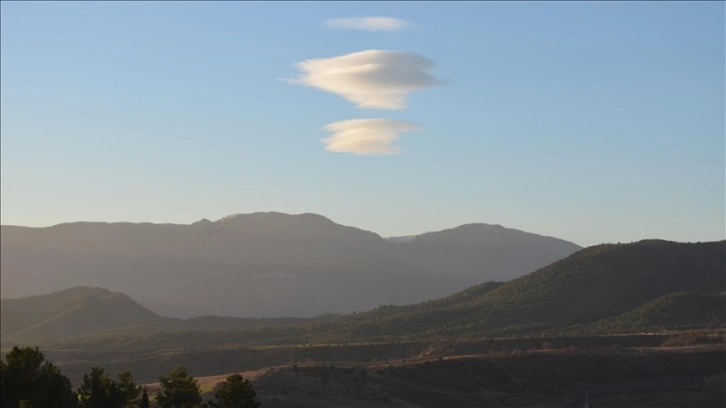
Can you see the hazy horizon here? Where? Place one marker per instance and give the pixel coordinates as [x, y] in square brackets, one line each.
[349, 225]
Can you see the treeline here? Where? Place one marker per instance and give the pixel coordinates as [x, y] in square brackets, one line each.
[27, 380]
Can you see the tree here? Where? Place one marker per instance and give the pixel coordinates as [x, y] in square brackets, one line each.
[179, 390]
[144, 402]
[98, 390]
[27, 380]
[235, 392]
[128, 388]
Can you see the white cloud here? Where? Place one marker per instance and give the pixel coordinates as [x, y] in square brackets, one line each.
[372, 79]
[367, 23]
[365, 136]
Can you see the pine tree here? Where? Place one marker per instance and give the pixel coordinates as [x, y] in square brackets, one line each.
[235, 392]
[128, 388]
[26, 379]
[179, 390]
[144, 402]
[99, 390]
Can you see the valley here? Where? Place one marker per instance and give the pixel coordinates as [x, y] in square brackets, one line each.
[525, 372]
[493, 204]
[610, 322]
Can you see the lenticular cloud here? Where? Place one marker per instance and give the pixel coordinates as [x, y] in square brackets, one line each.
[372, 79]
[367, 23]
[365, 136]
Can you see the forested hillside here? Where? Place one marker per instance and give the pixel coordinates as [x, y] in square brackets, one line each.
[596, 283]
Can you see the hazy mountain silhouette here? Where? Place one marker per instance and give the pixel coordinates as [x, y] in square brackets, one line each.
[265, 264]
[483, 251]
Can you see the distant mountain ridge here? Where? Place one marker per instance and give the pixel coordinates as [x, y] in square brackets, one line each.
[265, 264]
[508, 251]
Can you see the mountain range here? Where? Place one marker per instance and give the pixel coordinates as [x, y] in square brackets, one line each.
[604, 289]
[265, 264]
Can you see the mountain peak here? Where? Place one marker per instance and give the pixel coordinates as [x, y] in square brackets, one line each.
[273, 217]
[256, 215]
[80, 292]
[482, 232]
[278, 222]
[203, 221]
[482, 226]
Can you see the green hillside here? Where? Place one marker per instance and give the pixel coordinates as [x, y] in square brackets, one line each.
[684, 310]
[596, 283]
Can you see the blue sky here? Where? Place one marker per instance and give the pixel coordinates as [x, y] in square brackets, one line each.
[593, 122]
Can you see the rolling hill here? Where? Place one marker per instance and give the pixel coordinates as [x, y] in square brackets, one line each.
[69, 313]
[597, 283]
[81, 311]
[602, 289]
[264, 264]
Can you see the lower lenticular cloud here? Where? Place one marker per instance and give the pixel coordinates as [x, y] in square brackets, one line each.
[367, 23]
[365, 136]
[372, 79]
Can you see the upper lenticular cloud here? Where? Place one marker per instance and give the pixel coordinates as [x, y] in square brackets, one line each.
[367, 23]
[372, 79]
[365, 136]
